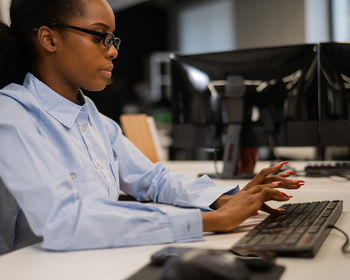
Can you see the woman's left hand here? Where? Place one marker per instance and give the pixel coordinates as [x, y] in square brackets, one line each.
[265, 177]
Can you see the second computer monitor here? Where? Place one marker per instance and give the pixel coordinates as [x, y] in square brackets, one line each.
[335, 94]
[272, 92]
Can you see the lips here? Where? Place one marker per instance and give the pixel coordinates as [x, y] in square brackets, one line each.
[107, 72]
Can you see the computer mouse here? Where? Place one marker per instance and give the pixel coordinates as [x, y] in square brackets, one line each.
[204, 264]
[255, 260]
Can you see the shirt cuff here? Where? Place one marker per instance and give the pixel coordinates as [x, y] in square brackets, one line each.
[233, 191]
[186, 225]
[209, 195]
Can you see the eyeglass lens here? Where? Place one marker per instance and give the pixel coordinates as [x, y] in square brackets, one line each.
[112, 40]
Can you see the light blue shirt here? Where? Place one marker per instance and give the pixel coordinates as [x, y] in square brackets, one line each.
[66, 163]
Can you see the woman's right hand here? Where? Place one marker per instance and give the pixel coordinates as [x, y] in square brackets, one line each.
[241, 206]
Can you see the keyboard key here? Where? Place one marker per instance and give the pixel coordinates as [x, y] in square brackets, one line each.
[332, 205]
[255, 240]
[314, 229]
[327, 213]
[301, 229]
[321, 221]
[293, 238]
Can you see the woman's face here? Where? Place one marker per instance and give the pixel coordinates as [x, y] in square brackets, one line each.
[82, 60]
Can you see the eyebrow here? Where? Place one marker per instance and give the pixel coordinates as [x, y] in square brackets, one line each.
[101, 24]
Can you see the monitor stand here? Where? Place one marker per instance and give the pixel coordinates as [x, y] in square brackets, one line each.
[231, 155]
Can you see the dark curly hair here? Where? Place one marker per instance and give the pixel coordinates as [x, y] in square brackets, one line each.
[16, 41]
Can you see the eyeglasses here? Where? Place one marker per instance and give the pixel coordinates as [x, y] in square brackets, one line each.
[108, 38]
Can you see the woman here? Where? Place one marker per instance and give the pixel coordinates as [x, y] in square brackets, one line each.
[65, 163]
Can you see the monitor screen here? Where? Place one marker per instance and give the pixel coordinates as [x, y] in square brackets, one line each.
[271, 91]
[335, 94]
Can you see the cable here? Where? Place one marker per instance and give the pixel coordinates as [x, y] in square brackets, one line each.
[343, 248]
[215, 161]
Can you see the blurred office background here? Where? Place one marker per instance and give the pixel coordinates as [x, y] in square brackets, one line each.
[151, 29]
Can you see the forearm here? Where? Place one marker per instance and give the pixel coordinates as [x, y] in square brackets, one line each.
[212, 222]
[220, 221]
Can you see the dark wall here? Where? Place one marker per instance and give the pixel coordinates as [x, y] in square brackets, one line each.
[143, 30]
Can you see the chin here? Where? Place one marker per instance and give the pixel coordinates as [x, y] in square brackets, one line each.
[96, 87]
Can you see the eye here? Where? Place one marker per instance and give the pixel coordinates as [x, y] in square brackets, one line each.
[109, 39]
[97, 39]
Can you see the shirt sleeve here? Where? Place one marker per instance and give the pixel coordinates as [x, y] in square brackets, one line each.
[51, 202]
[144, 180]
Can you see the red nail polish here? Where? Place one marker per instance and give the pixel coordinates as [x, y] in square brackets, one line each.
[284, 194]
[284, 162]
[291, 172]
[277, 182]
[301, 181]
[256, 213]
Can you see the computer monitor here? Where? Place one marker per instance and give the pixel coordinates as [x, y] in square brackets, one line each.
[249, 98]
[334, 94]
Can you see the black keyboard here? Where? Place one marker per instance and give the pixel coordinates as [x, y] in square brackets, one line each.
[324, 169]
[300, 232]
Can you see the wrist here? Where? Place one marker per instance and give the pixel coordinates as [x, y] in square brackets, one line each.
[213, 221]
[220, 201]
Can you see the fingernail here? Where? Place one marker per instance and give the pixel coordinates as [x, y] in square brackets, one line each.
[301, 184]
[284, 162]
[301, 181]
[291, 172]
[256, 213]
[284, 194]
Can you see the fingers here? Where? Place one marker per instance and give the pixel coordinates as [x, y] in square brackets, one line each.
[287, 174]
[261, 176]
[284, 175]
[272, 211]
[269, 170]
[292, 184]
[273, 194]
[259, 188]
[268, 192]
[286, 183]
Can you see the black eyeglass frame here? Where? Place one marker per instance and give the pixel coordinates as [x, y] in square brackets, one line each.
[115, 41]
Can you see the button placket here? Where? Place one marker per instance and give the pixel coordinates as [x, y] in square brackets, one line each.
[83, 120]
[100, 168]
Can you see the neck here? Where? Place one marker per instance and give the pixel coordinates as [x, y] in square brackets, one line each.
[56, 82]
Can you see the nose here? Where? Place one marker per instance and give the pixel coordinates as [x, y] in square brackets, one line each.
[112, 52]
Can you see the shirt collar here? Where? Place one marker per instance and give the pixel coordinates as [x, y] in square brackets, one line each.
[60, 108]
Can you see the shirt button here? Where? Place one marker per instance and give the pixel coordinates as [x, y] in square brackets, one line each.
[83, 128]
[73, 175]
[100, 166]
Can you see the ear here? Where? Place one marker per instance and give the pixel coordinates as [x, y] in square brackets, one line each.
[47, 39]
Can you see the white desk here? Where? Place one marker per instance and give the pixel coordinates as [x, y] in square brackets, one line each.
[33, 263]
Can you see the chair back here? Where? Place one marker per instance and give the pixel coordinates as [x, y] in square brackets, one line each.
[138, 129]
[15, 232]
